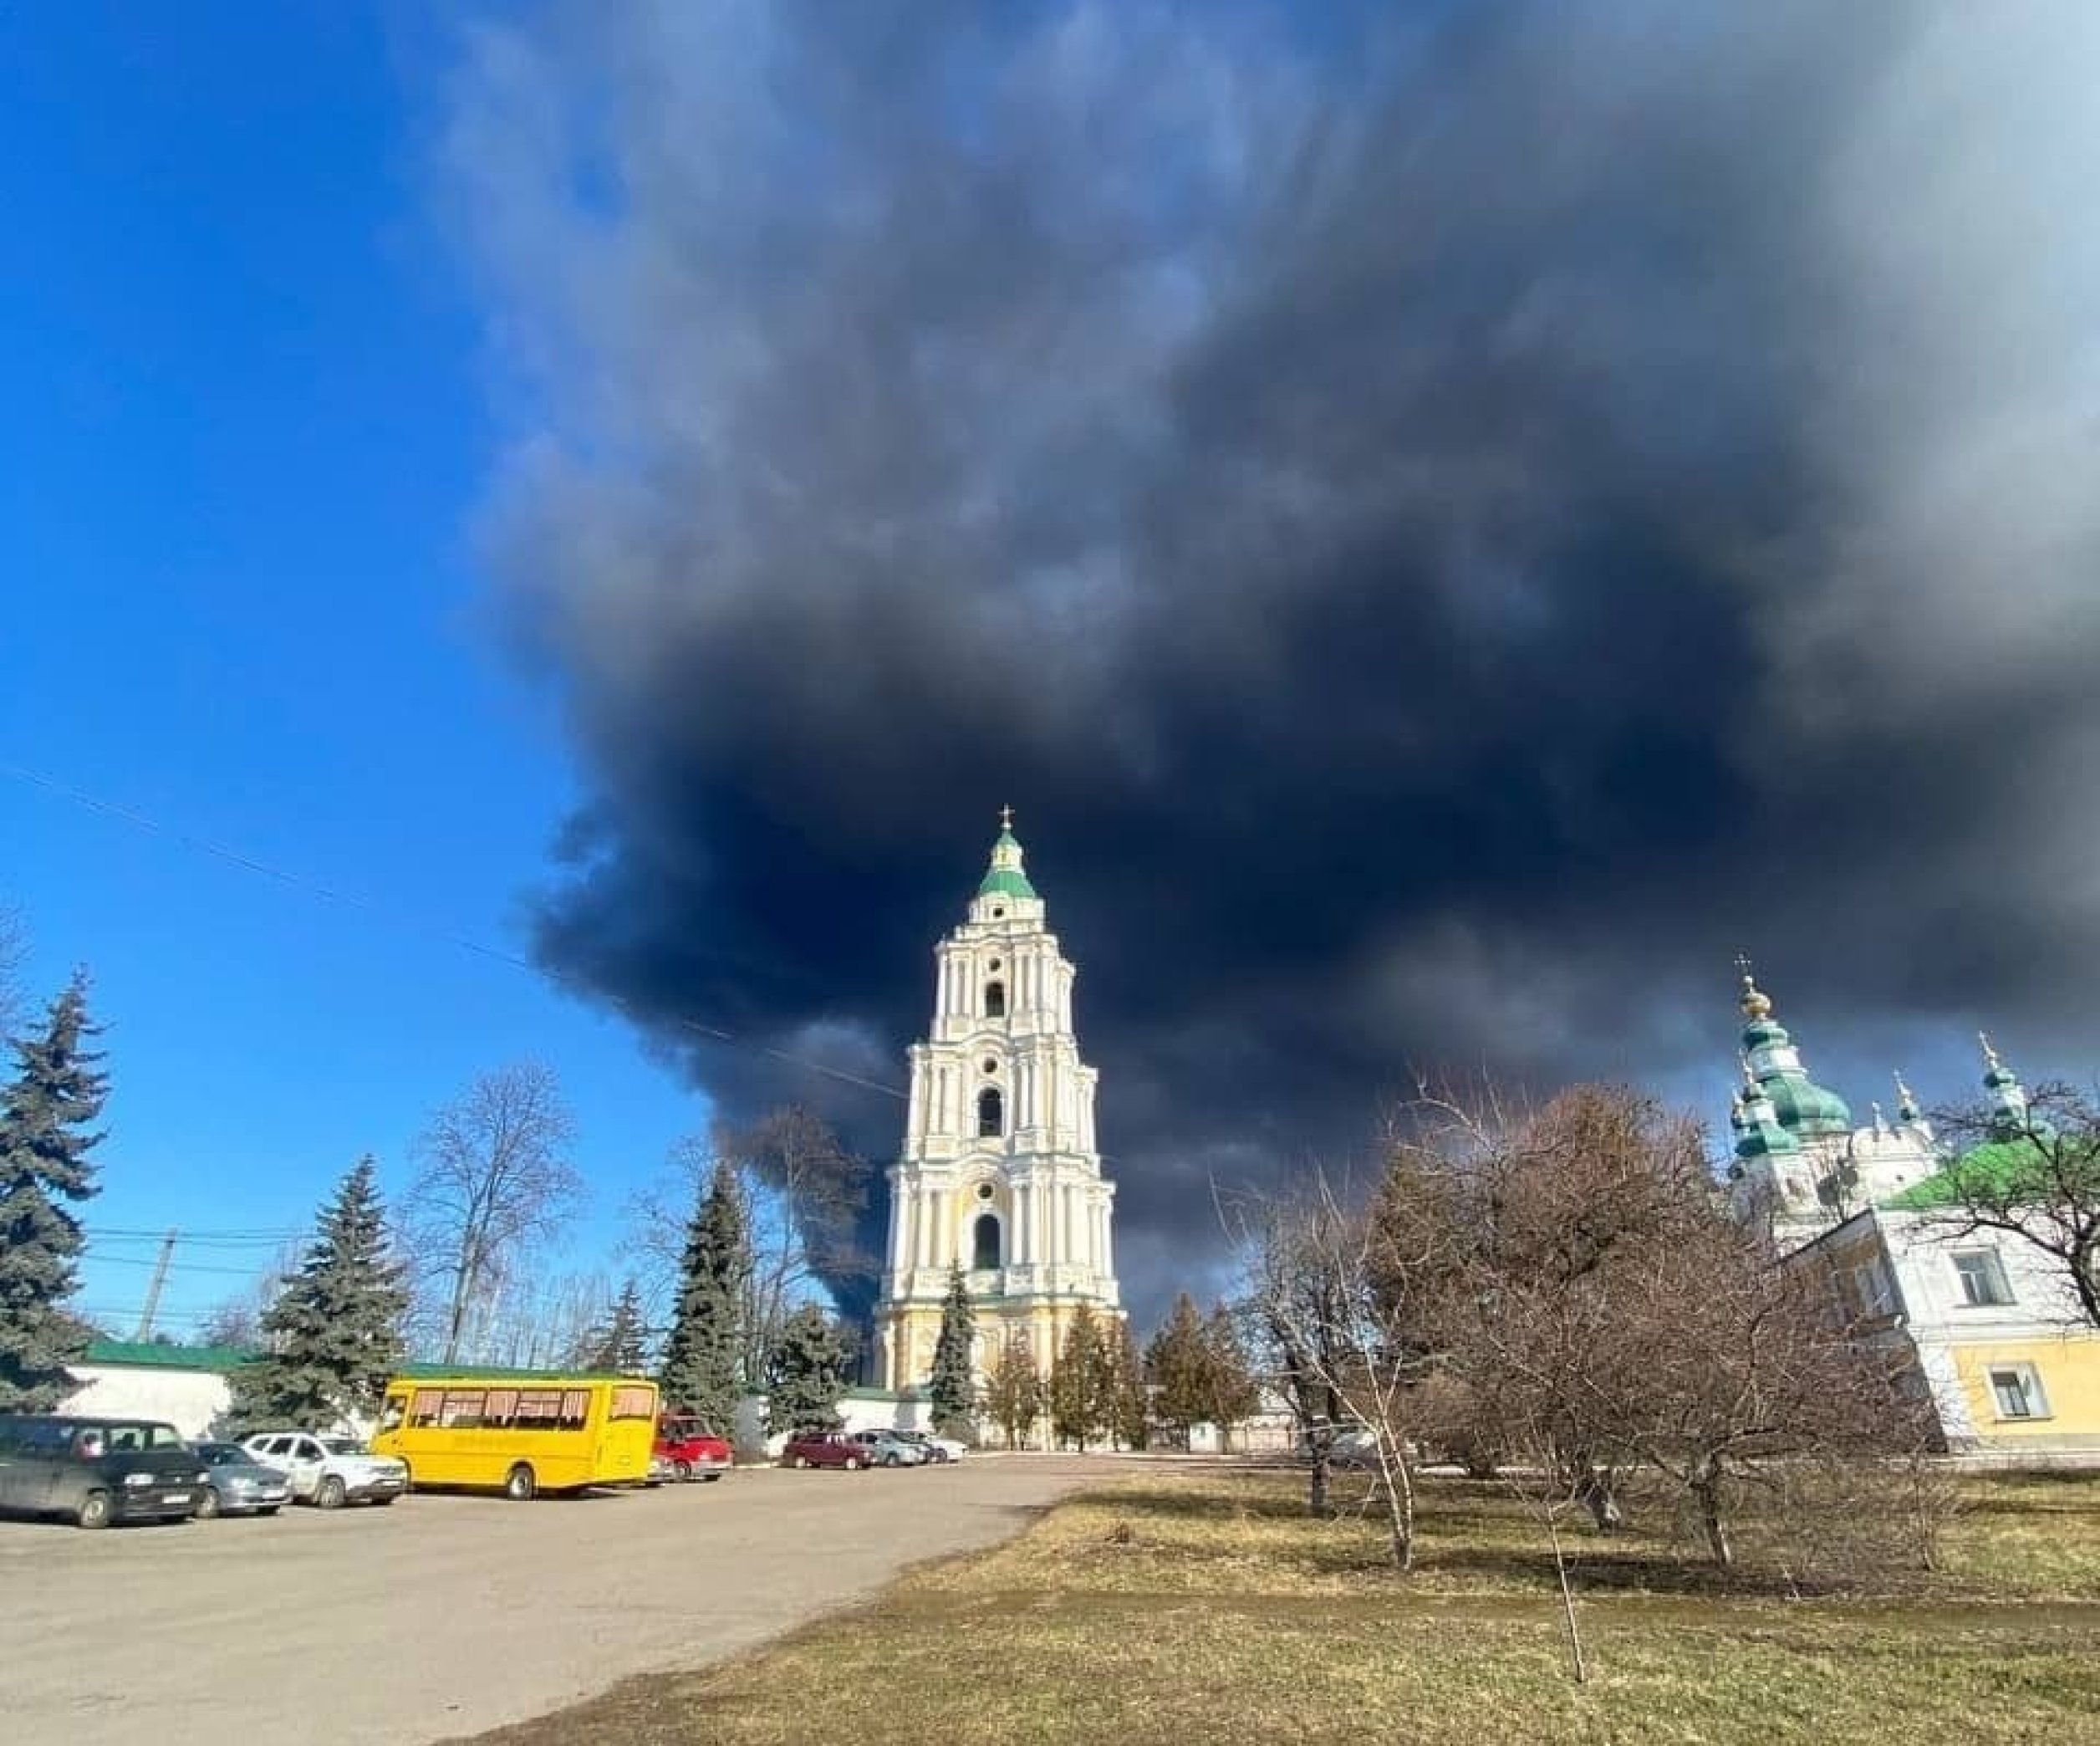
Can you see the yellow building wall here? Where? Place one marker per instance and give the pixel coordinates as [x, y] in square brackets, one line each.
[2068, 1367]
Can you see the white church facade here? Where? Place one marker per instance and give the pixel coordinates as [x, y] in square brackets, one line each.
[999, 1171]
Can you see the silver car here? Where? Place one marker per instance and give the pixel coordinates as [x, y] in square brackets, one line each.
[885, 1449]
[237, 1483]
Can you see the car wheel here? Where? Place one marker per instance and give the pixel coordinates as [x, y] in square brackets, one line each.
[331, 1494]
[683, 1471]
[208, 1504]
[711, 1478]
[853, 1463]
[94, 1511]
[802, 1460]
[382, 1501]
[521, 1484]
[267, 1510]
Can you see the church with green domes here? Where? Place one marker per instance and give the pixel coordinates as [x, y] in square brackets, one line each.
[1989, 1327]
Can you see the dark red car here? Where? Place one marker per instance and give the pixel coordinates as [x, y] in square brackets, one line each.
[689, 1449]
[823, 1448]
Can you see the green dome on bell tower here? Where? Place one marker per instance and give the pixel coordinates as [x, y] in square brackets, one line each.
[1803, 1108]
[1006, 877]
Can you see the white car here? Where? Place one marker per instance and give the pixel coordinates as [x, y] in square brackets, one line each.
[329, 1471]
[937, 1448]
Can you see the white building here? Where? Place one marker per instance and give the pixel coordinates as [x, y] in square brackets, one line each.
[998, 1171]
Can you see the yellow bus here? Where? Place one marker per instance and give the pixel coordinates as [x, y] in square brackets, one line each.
[519, 1434]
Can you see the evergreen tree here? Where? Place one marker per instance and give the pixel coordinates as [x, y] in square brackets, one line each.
[953, 1385]
[1129, 1417]
[809, 1367]
[615, 1344]
[700, 1373]
[58, 1089]
[1231, 1391]
[1178, 1358]
[1083, 1381]
[335, 1332]
[1013, 1389]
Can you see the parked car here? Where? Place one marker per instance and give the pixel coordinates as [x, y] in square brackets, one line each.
[329, 1471]
[237, 1483]
[938, 1448]
[887, 1448]
[823, 1448]
[691, 1450]
[97, 1470]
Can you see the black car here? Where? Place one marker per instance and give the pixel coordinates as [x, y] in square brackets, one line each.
[96, 1471]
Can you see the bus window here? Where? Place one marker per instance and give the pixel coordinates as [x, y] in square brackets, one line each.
[393, 1412]
[539, 1409]
[501, 1410]
[575, 1409]
[633, 1403]
[428, 1401]
[462, 1410]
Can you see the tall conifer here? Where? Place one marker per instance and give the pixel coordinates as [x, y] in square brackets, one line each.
[58, 1089]
[700, 1373]
[810, 1363]
[953, 1385]
[334, 1335]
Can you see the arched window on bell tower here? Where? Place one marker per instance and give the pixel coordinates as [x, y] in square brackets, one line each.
[995, 1000]
[991, 1114]
[984, 1243]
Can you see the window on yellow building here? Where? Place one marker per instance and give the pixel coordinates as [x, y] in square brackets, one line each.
[2017, 1390]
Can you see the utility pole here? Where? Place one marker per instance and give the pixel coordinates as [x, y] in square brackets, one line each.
[153, 1290]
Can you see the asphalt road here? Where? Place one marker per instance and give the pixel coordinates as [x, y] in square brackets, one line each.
[444, 1615]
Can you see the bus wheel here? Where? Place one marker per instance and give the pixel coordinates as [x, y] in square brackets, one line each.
[684, 1470]
[520, 1485]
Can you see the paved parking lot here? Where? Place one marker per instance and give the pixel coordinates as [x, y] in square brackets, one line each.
[444, 1615]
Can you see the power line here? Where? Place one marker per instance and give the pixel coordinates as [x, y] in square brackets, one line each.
[712, 1033]
[94, 1254]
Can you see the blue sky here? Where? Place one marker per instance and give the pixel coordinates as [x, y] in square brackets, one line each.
[239, 486]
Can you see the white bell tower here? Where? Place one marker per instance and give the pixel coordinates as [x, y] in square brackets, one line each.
[998, 1169]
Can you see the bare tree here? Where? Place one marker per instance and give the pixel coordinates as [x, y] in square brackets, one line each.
[495, 1180]
[1338, 1336]
[1607, 1310]
[805, 1191]
[2031, 1169]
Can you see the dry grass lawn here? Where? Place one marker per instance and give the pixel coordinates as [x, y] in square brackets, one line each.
[1195, 1605]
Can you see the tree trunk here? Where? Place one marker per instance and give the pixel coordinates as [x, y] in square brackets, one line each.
[1316, 1503]
[1600, 1498]
[1706, 1488]
[1399, 1508]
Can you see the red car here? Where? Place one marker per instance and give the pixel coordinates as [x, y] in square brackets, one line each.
[823, 1448]
[689, 1449]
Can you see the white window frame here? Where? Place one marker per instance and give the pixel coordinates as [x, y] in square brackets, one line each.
[1993, 1273]
[2028, 1379]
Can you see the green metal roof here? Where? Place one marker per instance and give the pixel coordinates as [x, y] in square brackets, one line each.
[159, 1355]
[1996, 1167]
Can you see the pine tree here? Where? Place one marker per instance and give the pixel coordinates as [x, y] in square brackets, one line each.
[335, 1332]
[953, 1385]
[58, 1089]
[615, 1344]
[1013, 1389]
[810, 1363]
[1083, 1381]
[1231, 1392]
[700, 1373]
[1129, 1416]
[1229, 1384]
[1178, 1358]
